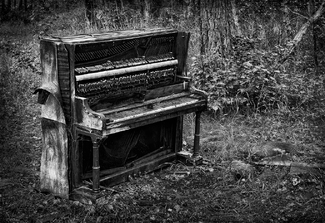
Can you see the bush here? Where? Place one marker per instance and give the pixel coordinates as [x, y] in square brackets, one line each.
[252, 79]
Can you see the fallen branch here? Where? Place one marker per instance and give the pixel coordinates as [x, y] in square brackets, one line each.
[298, 37]
[288, 164]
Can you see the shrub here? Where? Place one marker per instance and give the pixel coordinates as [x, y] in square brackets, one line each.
[252, 79]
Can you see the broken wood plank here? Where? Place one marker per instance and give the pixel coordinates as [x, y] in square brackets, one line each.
[146, 167]
[103, 172]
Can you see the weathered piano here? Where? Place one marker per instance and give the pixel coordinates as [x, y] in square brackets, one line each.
[112, 106]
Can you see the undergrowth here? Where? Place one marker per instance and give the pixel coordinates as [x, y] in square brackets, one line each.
[252, 79]
[19, 76]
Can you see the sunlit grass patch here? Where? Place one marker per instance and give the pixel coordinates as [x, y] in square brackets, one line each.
[237, 136]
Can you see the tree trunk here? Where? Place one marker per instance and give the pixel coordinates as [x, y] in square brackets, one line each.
[188, 9]
[298, 37]
[235, 18]
[311, 10]
[217, 21]
[3, 6]
[202, 45]
[205, 7]
[146, 12]
[26, 5]
[286, 23]
[20, 4]
[89, 4]
[9, 6]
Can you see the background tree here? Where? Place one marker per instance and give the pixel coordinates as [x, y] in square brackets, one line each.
[89, 5]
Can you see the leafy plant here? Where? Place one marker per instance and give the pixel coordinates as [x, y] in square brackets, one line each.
[252, 79]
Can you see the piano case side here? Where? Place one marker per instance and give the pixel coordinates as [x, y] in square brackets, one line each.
[54, 160]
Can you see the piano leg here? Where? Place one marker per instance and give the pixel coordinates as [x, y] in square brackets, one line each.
[96, 167]
[196, 148]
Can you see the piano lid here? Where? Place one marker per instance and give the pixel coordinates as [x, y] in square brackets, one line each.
[110, 35]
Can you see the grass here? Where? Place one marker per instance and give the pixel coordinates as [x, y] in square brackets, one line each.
[180, 193]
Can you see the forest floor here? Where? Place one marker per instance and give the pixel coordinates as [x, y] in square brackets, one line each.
[232, 185]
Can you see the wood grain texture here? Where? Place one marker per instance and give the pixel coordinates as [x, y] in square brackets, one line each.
[54, 160]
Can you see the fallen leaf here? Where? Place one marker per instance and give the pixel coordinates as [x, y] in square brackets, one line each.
[177, 208]
[99, 219]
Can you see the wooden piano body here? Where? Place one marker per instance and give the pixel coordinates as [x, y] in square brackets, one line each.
[112, 106]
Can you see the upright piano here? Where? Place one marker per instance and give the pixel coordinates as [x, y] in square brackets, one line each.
[113, 106]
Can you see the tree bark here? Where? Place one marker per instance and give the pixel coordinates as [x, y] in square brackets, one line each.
[235, 18]
[9, 6]
[20, 4]
[146, 11]
[3, 6]
[312, 11]
[89, 4]
[286, 23]
[188, 9]
[215, 23]
[298, 37]
[202, 45]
